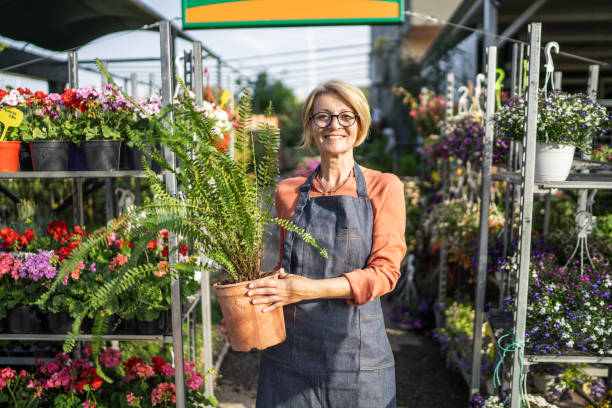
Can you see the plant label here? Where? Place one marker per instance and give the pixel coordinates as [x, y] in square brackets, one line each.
[10, 117]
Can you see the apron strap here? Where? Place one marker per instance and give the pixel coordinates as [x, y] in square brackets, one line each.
[305, 191]
[362, 191]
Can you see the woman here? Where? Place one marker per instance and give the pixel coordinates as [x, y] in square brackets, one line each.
[336, 353]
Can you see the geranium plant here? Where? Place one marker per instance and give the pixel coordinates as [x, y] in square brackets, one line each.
[130, 382]
[563, 119]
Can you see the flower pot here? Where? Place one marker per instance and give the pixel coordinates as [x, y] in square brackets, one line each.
[553, 162]
[25, 158]
[76, 158]
[160, 325]
[246, 325]
[9, 156]
[102, 155]
[58, 323]
[23, 320]
[131, 158]
[49, 155]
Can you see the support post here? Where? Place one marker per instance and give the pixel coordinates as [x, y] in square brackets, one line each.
[77, 183]
[490, 24]
[219, 72]
[526, 202]
[592, 93]
[109, 185]
[483, 230]
[557, 76]
[198, 81]
[167, 73]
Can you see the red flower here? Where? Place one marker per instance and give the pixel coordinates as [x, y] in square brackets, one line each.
[131, 363]
[183, 250]
[165, 252]
[89, 378]
[29, 234]
[158, 364]
[152, 244]
[57, 229]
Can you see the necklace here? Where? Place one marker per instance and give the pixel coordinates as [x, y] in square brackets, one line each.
[327, 191]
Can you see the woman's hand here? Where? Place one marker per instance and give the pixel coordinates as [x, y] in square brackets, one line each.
[282, 290]
[287, 288]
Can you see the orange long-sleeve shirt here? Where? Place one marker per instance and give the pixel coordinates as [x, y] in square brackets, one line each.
[386, 194]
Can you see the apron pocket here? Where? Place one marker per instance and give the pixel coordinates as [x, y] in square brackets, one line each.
[375, 352]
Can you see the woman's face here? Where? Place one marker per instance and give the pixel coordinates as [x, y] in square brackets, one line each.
[334, 139]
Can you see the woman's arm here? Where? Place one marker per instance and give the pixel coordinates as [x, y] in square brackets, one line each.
[289, 288]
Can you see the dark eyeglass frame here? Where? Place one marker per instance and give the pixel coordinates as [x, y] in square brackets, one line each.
[331, 118]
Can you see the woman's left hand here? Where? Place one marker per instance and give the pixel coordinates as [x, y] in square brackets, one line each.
[283, 290]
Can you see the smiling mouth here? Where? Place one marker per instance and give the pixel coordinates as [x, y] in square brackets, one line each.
[334, 137]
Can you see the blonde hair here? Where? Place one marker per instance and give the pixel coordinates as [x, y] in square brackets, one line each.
[351, 95]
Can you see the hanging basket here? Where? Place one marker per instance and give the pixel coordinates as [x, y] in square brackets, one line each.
[246, 325]
[553, 162]
[9, 156]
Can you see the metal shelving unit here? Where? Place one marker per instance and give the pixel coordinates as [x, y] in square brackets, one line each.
[167, 33]
[528, 186]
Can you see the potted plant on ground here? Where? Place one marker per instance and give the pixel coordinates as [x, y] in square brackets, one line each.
[222, 212]
[565, 122]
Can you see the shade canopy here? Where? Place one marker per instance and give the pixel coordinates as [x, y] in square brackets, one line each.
[64, 24]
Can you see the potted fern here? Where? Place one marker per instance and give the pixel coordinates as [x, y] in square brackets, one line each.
[222, 211]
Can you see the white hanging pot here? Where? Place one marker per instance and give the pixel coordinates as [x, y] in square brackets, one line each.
[553, 161]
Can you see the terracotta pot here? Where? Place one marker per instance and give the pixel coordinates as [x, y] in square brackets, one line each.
[246, 325]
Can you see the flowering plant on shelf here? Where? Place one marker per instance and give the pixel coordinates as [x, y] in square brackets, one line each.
[107, 380]
[493, 401]
[456, 338]
[568, 310]
[465, 140]
[603, 153]
[427, 110]
[563, 119]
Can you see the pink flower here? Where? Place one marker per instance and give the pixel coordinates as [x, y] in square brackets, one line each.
[163, 393]
[194, 381]
[87, 350]
[110, 358]
[133, 400]
[144, 370]
[89, 404]
[119, 260]
[168, 370]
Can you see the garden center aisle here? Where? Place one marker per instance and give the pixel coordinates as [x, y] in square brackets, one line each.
[423, 380]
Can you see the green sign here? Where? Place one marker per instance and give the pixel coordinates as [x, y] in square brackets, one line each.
[268, 13]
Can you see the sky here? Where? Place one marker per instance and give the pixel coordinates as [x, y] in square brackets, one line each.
[248, 50]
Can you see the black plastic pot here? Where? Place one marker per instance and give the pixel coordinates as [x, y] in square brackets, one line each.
[58, 323]
[24, 320]
[76, 158]
[102, 155]
[51, 155]
[161, 325]
[25, 158]
[131, 158]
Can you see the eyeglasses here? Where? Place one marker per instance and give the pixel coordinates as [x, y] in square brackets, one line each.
[324, 119]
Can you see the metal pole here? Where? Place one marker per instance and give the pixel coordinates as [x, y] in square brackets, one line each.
[151, 82]
[526, 212]
[592, 93]
[77, 183]
[483, 230]
[167, 72]
[489, 25]
[198, 81]
[557, 87]
[134, 85]
[219, 72]
[109, 183]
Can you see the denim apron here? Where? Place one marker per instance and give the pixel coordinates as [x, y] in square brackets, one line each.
[335, 355]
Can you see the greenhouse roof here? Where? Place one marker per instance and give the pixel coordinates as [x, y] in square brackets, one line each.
[66, 24]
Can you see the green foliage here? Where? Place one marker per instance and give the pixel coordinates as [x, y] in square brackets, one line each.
[222, 211]
[286, 105]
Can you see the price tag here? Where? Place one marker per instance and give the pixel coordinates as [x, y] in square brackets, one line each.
[225, 97]
[10, 117]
